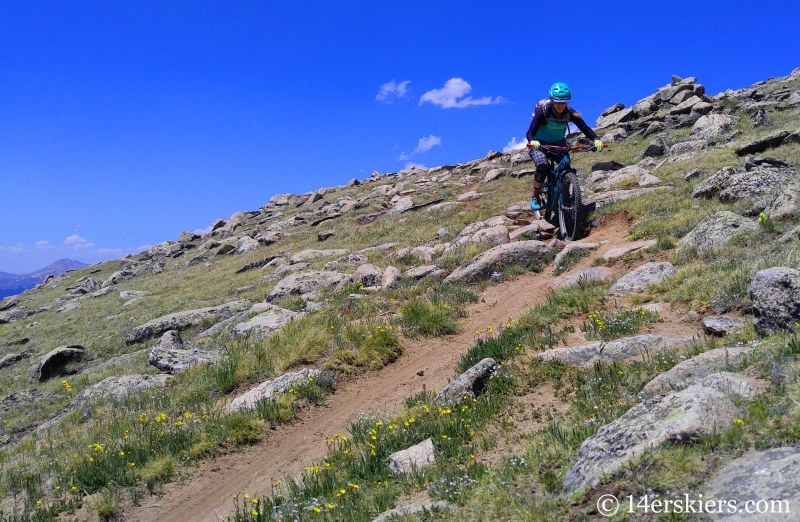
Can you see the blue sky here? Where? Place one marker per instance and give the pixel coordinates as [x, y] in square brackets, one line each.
[123, 123]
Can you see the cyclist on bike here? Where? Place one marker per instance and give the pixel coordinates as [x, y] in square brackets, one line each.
[551, 119]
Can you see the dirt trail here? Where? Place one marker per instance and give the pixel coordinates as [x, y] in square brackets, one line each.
[208, 494]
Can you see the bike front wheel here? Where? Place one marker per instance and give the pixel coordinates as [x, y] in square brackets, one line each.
[569, 208]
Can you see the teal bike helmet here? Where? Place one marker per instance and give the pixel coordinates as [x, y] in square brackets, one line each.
[560, 92]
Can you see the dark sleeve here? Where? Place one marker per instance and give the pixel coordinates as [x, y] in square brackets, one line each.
[536, 122]
[578, 121]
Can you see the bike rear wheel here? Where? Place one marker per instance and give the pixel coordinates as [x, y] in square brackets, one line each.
[569, 208]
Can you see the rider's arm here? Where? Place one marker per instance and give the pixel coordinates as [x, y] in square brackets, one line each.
[537, 121]
[578, 121]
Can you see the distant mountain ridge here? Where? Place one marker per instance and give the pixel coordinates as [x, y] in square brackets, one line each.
[12, 284]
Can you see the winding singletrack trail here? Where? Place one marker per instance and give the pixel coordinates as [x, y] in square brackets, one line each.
[207, 496]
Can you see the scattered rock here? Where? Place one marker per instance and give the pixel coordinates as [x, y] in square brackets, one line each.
[716, 230]
[413, 509]
[183, 320]
[20, 399]
[775, 295]
[618, 252]
[613, 351]
[760, 119]
[735, 385]
[638, 280]
[9, 359]
[607, 165]
[324, 235]
[697, 368]
[539, 229]
[597, 273]
[468, 385]
[710, 126]
[368, 275]
[720, 325]
[496, 258]
[309, 255]
[61, 361]
[412, 459]
[271, 320]
[760, 145]
[391, 276]
[676, 417]
[576, 246]
[170, 354]
[468, 196]
[306, 284]
[269, 388]
[420, 271]
[786, 204]
[766, 479]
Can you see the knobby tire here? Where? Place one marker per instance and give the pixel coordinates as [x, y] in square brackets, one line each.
[569, 209]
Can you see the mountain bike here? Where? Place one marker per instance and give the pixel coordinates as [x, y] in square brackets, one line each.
[561, 191]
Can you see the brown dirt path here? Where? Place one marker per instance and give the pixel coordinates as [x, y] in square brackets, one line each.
[207, 495]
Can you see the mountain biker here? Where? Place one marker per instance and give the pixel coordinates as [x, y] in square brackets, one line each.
[549, 125]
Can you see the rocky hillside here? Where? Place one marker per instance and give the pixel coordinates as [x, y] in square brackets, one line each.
[656, 357]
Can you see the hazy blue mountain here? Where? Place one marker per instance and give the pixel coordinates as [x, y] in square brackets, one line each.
[12, 284]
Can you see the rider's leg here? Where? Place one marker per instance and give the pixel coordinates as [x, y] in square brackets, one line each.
[542, 169]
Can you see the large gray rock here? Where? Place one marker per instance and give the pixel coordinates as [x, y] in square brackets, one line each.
[685, 147]
[496, 258]
[245, 245]
[468, 385]
[720, 325]
[786, 204]
[494, 174]
[170, 354]
[615, 118]
[576, 246]
[711, 126]
[621, 349]
[675, 417]
[9, 359]
[61, 361]
[697, 368]
[183, 320]
[760, 145]
[760, 185]
[759, 481]
[269, 388]
[631, 175]
[418, 272]
[638, 280]
[391, 276]
[414, 458]
[775, 294]
[735, 385]
[717, 229]
[368, 275]
[268, 321]
[306, 284]
[311, 254]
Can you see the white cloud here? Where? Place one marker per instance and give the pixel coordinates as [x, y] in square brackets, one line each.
[201, 231]
[411, 164]
[514, 145]
[44, 245]
[16, 249]
[392, 91]
[448, 96]
[77, 242]
[424, 145]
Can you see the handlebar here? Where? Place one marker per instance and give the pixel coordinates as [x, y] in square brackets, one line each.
[570, 148]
